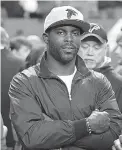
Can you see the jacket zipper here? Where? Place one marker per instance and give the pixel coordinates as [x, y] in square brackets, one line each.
[69, 94]
[70, 97]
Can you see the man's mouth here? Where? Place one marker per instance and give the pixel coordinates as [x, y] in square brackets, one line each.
[69, 50]
[89, 60]
[68, 47]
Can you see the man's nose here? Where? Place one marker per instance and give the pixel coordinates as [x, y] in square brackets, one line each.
[90, 51]
[69, 37]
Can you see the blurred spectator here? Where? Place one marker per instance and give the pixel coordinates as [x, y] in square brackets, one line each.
[4, 13]
[29, 6]
[19, 32]
[20, 47]
[34, 57]
[93, 50]
[107, 7]
[36, 41]
[9, 67]
[4, 131]
[43, 9]
[4, 39]
[118, 52]
[102, 5]
[4, 46]
[12, 8]
[118, 3]
[35, 8]
[38, 47]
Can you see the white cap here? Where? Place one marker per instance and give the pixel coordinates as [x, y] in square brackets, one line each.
[65, 15]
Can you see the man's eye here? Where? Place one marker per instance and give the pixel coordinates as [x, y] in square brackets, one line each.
[97, 46]
[84, 45]
[60, 32]
[76, 33]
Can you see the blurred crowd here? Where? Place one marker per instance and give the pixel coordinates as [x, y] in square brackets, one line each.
[20, 52]
[17, 53]
[39, 9]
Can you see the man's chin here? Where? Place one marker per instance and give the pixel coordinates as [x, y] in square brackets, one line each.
[66, 60]
[90, 66]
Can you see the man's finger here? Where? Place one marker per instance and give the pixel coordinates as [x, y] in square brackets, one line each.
[120, 138]
[113, 148]
[117, 144]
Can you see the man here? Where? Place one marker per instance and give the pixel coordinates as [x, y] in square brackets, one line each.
[93, 50]
[118, 52]
[4, 131]
[7, 74]
[55, 103]
[117, 144]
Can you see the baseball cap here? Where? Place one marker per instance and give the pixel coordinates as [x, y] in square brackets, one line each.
[65, 15]
[96, 31]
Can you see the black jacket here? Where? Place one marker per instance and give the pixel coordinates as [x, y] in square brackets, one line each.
[36, 91]
[115, 80]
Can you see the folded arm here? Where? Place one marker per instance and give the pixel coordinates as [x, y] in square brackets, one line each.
[105, 102]
[32, 128]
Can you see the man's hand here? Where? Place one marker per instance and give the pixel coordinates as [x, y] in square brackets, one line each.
[117, 144]
[99, 121]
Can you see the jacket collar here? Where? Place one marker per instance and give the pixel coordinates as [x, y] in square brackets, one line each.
[43, 71]
[105, 67]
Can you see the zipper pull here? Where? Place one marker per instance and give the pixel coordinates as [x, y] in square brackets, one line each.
[70, 98]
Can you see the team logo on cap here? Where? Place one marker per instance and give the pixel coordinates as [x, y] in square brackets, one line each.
[93, 27]
[71, 12]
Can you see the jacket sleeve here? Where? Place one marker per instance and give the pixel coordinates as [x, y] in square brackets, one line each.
[33, 128]
[4, 131]
[105, 101]
[119, 98]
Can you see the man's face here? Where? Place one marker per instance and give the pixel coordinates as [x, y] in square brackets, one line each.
[64, 43]
[92, 51]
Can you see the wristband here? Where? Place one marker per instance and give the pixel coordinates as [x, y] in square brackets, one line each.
[88, 126]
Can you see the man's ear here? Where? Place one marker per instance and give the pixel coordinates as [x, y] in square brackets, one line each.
[45, 37]
[107, 50]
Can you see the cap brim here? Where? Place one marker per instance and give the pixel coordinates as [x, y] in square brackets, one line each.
[77, 23]
[92, 34]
